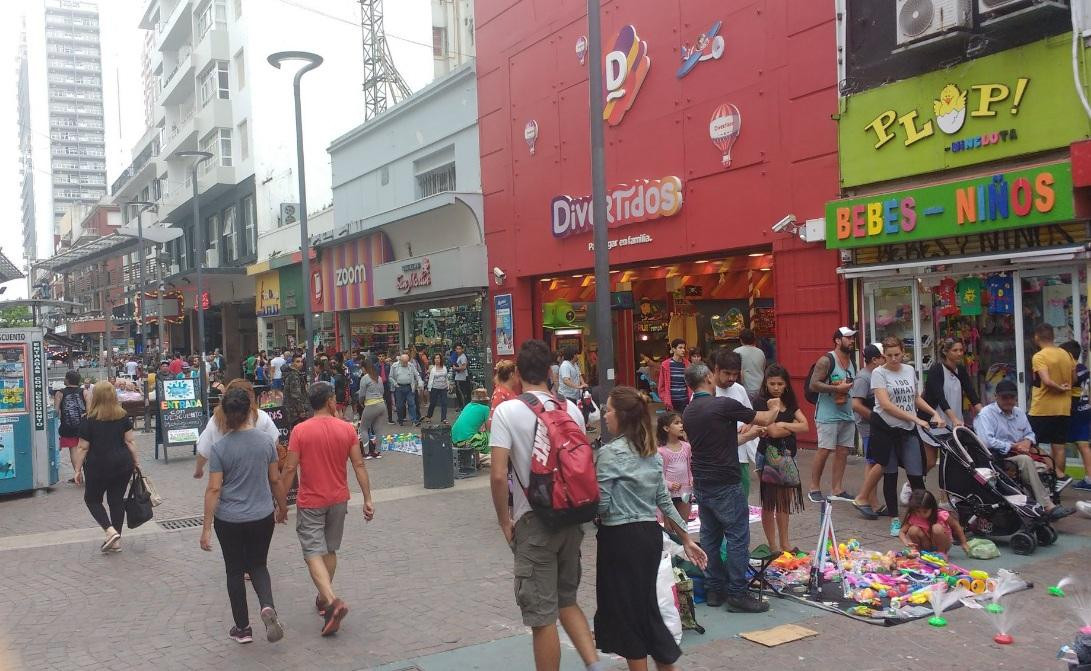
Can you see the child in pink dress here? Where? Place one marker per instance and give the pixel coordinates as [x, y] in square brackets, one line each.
[676, 457]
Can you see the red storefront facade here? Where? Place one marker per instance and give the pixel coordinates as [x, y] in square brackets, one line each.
[701, 163]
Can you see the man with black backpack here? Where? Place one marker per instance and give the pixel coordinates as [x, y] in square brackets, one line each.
[71, 406]
[828, 386]
[545, 541]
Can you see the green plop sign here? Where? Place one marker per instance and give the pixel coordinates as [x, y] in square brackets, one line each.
[1007, 104]
[1015, 199]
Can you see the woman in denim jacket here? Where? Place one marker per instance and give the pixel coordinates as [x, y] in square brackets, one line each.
[631, 485]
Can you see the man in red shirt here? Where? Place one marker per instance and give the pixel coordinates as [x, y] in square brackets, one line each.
[321, 445]
[176, 364]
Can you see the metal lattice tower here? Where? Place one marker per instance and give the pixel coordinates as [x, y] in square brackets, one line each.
[383, 84]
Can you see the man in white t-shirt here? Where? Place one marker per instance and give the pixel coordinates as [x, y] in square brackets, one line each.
[728, 367]
[131, 367]
[275, 368]
[547, 561]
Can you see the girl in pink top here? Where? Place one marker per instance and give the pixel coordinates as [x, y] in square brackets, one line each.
[676, 456]
[927, 528]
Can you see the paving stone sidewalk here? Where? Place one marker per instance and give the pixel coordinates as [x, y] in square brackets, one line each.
[429, 585]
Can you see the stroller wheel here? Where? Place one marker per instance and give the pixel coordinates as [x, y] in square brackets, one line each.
[1023, 543]
[1046, 535]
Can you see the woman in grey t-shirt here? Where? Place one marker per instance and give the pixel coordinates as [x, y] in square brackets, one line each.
[894, 439]
[242, 478]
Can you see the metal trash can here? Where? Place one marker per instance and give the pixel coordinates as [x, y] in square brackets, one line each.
[437, 457]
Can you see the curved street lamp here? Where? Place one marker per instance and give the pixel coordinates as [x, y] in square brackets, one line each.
[199, 243]
[311, 61]
[143, 206]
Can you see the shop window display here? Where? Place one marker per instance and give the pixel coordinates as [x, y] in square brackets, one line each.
[377, 337]
[437, 330]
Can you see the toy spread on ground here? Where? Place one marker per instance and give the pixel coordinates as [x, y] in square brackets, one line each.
[885, 588]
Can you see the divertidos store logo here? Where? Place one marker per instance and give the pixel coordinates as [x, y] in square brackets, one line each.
[626, 66]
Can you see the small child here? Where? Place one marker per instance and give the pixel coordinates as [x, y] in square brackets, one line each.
[928, 528]
[781, 489]
[676, 457]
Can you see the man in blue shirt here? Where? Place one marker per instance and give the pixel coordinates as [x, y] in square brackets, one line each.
[1004, 428]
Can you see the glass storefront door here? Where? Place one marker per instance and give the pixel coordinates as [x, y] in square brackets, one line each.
[994, 314]
[1045, 297]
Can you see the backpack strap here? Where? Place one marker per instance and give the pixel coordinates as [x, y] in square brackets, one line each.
[538, 408]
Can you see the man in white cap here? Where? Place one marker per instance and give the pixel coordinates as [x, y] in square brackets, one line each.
[831, 381]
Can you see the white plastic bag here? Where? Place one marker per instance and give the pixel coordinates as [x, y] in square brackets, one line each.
[595, 416]
[668, 598]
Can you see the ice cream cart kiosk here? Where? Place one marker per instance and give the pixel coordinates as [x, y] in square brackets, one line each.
[28, 425]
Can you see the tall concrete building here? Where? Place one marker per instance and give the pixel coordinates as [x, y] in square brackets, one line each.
[208, 87]
[61, 131]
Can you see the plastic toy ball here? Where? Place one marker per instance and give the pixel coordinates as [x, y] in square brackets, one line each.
[1055, 591]
[937, 621]
[994, 608]
[1003, 639]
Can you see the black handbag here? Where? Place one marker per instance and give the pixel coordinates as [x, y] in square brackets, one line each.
[138, 502]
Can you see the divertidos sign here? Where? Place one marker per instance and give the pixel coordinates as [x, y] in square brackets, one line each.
[1015, 102]
[642, 200]
[1014, 199]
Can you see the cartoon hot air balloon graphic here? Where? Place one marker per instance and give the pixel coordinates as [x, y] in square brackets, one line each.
[530, 134]
[724, 130]
[581, 49]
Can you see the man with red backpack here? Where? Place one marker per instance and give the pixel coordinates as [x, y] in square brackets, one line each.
[546, 445]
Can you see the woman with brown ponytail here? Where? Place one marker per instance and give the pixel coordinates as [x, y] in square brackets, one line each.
[632, 488]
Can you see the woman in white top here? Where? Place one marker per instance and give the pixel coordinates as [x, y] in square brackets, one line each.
[894, 423]
[437, 388]
[216, 428]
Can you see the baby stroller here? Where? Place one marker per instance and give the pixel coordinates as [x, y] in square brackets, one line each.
[990, 504]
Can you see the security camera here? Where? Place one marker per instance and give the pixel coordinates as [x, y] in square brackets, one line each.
[784, 224]
[498, 276]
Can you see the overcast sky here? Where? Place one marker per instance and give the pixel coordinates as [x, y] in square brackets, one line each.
[409, 32]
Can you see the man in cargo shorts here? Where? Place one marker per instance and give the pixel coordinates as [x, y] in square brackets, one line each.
[320, 446]
[547, 561]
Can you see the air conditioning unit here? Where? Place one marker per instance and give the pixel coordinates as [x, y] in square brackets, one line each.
[990, 9]
[923, 19]
[174, 269]
[212, 258]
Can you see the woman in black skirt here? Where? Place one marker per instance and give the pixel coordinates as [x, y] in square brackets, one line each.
[631, 484]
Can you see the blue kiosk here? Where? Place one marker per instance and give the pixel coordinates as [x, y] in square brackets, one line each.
[28, 426]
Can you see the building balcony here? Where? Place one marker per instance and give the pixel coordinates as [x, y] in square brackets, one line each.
[177, 206]
[214, 46]
[215, 114]
[181, 136]
[176, 28]
[178, 83]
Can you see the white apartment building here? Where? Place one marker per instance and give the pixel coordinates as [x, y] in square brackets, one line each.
[61, 142]
[209, 87]
[452, 34]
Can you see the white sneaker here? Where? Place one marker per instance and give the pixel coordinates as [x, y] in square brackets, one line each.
[907, 491]
[1084, 508]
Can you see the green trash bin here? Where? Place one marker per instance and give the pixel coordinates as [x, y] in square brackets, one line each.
[438, 458]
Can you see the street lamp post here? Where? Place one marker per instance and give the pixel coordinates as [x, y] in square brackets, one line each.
[311, 61]
[142, 207]
[603, 324]
[199, 243]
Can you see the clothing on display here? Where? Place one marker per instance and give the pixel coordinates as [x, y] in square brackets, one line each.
[969, 295]
[945, 301]
[1001, 294]
[438, 330]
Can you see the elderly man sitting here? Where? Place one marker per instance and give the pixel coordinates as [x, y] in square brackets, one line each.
[1005, 430]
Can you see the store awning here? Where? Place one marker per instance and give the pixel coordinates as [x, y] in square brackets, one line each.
[63, 341]
[115, 244]
[1069, 253]
[8, 271]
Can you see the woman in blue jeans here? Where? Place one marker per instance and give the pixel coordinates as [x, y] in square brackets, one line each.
[242, 478]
